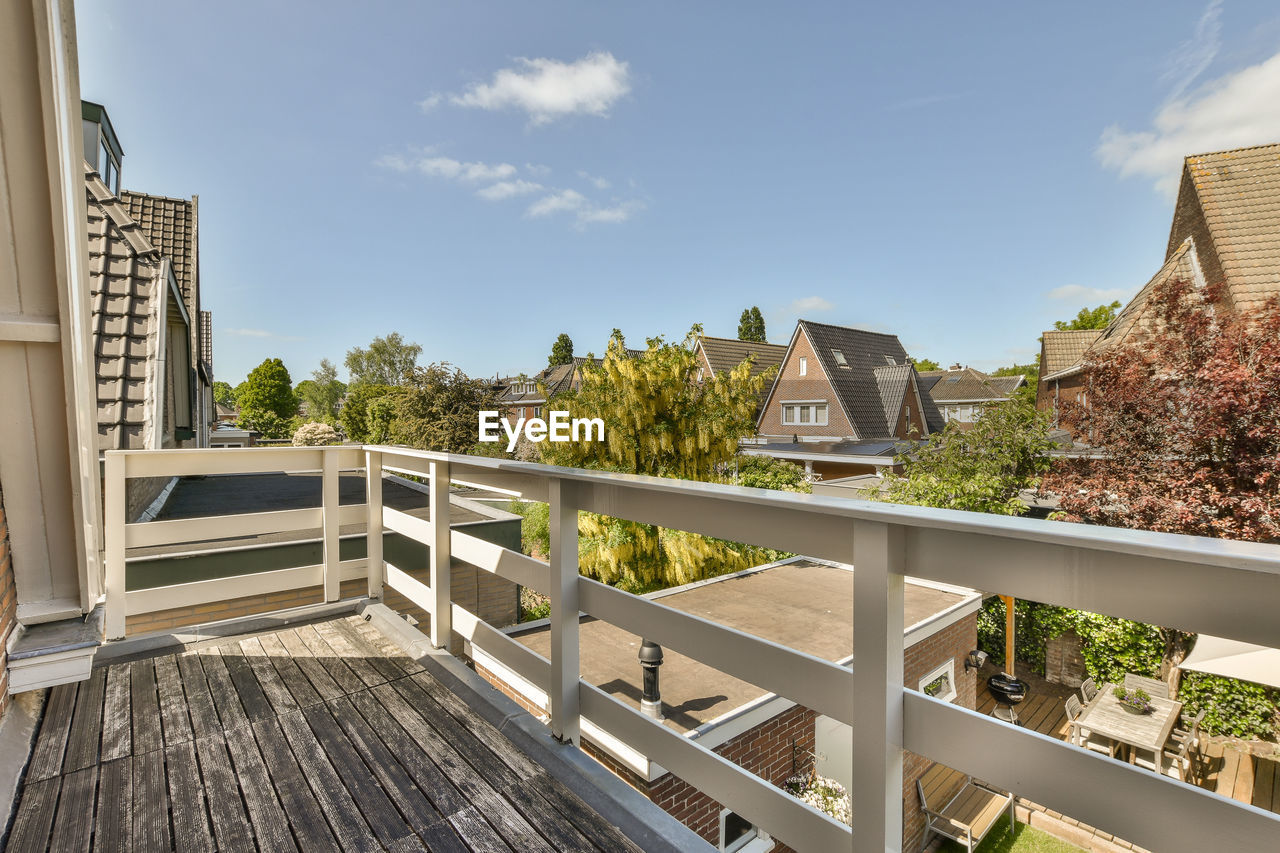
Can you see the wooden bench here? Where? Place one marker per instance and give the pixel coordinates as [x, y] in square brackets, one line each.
[959, 808]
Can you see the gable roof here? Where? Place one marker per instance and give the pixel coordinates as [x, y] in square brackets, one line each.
[968, 385]
[724, 354]
[1238, 193]
[170, 225]
[855, 381]
[893, 382]
[1062, 350]
[1134, 317]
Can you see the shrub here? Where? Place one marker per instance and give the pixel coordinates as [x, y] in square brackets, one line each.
[315, 434]
[825, 795]
[1232, 707]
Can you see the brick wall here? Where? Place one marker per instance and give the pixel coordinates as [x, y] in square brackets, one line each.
[1189, 221]
[140, 493]
[8, 606]
[1064, 660]
[790, 385]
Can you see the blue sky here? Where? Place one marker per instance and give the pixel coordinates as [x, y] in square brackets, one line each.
[482, 177]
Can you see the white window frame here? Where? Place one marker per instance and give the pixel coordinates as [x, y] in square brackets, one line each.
[792, 409]
[948, 668]
[758, 841]
[804, 366]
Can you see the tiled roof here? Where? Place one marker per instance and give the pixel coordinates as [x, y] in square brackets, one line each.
[724, 354]
[126, 277]
[1239, 192]
[893, 382]
[968, 385]
[1063, 349]
[170, 225]
[1182, 264]
[855, 380]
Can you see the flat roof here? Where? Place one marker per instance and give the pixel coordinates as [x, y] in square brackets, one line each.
[804, 604]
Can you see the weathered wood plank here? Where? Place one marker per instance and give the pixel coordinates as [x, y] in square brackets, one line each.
[73, 825]
[476, 834]
[269, 821]
[559, 832]
[223, 692]
[321, 681]
[481, 756]
[1227, 774]
[484, 731]
[442, 838]
[338, 669]
[51, 743]
[231, 828]
[117, 730]
[359, 661]
[146, 708]
[173, 701]
[281, 700]
[114, 820]
[204, 714]
[389, 670]
[247, 688]
[419, 764]
[408, 844]
[1243, 791]
[86, 724]
[299, 804]
[151, 803]
[379, 642]
[287, 669]
[503, 816]
[588, 820]
[411, 802]
[191, 830]
[31, 825]
[344, 816]
[377, 810]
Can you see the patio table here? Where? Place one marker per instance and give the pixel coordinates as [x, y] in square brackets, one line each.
[1105, 716]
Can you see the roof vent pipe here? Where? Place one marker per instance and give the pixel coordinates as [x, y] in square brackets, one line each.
[651, 697]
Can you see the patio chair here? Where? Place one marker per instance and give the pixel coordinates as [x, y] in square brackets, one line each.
[1174, 760]
[1191, 735]
[1155, 688]
[968, 814]
[1088, 689]
[1081, 736]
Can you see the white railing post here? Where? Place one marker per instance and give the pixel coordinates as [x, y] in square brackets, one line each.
[329, 510]
[878, 575]
[563, 692]
[442, 598]
[114, 498]
[376, 568]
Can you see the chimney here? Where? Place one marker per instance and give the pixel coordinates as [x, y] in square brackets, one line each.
[956, 366]
[102, 149]
[651, 696]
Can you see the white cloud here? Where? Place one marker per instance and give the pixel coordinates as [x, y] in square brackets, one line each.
[1195, 54]
[447, 167]
[1080, 293]
[598, 183]
[560, 202]
[617, 213]
[1234, 111]
[547, 89]
[508, 189]
[537, 169]
[808, 304]
[430, 102]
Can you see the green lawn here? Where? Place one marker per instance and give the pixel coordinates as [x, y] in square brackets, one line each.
[1027, 840]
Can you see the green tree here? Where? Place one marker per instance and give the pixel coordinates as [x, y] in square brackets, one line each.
[1090, 318]
[1027, 392]
[657, 422]
[322, 393]
[561, 351]
[224, 394]
[751, 325]
[924, 363]
[387, 361]
[439, 409]
[355, 414]
[266, 399]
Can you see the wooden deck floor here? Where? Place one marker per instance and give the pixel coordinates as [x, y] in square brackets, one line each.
[319, 737]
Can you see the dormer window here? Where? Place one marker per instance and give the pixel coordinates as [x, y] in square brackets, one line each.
[889, 359]
[102, 150]
[839, 357]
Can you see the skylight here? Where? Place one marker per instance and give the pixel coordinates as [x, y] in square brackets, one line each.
[839, 357]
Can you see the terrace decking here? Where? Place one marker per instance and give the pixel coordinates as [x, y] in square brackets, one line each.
[322, 736]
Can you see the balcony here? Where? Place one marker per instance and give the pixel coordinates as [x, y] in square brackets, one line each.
[293, 682]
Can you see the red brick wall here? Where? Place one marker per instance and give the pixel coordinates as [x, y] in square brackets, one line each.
[8, 607]
[790, 385]
[910, 418]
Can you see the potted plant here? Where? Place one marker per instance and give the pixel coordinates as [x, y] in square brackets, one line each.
[825, 795]
[1134, 701]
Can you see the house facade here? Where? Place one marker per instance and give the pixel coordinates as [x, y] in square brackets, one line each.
[960, 392]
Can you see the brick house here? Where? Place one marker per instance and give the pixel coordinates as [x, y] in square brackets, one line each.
[960, 393]
[720, 355]
[1226, 231]
[842, 399]
[802, 603]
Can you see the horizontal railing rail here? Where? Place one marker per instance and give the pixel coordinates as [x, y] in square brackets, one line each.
[1133, 574]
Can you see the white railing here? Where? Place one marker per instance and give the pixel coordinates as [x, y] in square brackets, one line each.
[1217, 587]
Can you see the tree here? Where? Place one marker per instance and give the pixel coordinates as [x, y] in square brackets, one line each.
[266, 399]
[1186, 422]
[322, 393]
[224, 394]
[658, 423]
[356, 418]
[925, 364]
[1095, 318]
[1027, 392]
[751, 325]
[314, 434]
[387, 361]
[561, 351]
[439, 409]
